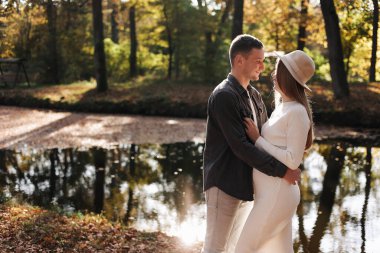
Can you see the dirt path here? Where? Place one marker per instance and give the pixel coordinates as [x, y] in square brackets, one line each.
[21, 127]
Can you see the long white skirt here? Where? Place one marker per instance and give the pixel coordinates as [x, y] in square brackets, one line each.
[268, 228]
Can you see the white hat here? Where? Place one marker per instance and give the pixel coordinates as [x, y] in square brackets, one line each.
[300, 66]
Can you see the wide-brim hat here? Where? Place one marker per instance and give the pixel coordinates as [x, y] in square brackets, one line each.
[300, 66]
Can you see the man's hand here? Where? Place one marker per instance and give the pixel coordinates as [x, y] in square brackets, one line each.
[293, 176]
[251, 129]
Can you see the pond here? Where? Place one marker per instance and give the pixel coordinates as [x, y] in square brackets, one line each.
[159, 187]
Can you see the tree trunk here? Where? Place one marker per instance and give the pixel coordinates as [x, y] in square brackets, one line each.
[170, 41]
[237, 25]
[210, 53]
[171, 50]
[133, 55]
[170, 64]
[223, 19]
[177, 43]
[100, 57]
[52, 68]
[68, 20]
[375, 26]
[212, 46]
[348, 59]
[334, 42]
[114, 24]
[302, 25]
[199, 4]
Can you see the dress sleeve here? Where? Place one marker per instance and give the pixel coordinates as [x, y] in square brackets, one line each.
[297, 128]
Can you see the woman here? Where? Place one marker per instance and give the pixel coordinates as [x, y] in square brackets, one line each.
[285, 136]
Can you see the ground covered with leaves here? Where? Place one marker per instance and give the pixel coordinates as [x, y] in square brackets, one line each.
[186, 99]
[25, 228]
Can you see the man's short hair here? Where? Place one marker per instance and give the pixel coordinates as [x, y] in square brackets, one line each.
[243, 44]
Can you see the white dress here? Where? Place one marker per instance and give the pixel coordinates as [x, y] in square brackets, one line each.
[268, 228]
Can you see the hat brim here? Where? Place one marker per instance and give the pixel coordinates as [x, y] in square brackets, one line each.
[291, 70]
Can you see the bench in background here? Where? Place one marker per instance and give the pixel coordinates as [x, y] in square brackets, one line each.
[10, 69]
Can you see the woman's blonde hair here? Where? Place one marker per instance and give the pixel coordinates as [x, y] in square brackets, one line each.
[291, 88]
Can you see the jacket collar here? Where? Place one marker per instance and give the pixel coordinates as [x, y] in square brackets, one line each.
[235, 84]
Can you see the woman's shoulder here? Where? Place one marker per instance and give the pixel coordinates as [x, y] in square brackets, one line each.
[295, 106]
[297, 110]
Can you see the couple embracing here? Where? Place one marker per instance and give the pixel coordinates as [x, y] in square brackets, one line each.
[251, 162]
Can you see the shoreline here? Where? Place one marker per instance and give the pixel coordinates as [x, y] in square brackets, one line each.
[42, 128]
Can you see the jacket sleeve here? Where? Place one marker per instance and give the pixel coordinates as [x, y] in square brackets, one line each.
[225, 112]
[264, 114]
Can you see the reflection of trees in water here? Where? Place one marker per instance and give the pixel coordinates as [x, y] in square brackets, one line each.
[114, 182]
[41, 176]
[100, 160]
[338, 156]
[131, 168]
[3, 172]
[80, 180]
[130, 213]
[66, 154]
[310, 185]
[8, 158]
[335, 162]
[87, 180]
[54, 160]
[182, 163]
[3, 161]
[303, 238]
[23, 179]
[113, 204]
[367, 189]
[355, 163]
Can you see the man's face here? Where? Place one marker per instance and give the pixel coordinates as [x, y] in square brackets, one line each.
[253, 64]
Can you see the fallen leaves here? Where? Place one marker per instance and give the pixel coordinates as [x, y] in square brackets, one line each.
[25, 228]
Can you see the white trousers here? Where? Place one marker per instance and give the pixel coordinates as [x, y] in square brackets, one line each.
[226, 217]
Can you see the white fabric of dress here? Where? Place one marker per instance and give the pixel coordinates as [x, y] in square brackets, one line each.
[268, 228]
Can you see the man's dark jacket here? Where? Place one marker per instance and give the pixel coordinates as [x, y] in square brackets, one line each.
[229, 155]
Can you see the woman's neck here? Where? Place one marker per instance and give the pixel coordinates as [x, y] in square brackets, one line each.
[286, 98]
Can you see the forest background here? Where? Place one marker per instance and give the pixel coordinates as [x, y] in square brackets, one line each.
[174, 52]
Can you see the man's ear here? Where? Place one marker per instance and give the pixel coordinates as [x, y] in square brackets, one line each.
[238, 59]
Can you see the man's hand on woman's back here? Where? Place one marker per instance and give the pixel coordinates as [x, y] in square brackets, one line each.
[293, 176]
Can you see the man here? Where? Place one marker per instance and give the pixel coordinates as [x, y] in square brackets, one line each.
[229, 156]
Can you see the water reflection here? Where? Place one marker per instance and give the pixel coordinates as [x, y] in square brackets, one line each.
[159, 187]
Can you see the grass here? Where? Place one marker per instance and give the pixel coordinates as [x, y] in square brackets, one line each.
[185, 99]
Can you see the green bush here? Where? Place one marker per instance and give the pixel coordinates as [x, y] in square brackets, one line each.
[117, 60]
